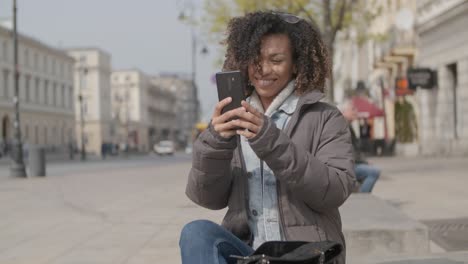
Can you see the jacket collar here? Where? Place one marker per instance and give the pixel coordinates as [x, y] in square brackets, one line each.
[310, 98]
[284, 101]
[289, 105]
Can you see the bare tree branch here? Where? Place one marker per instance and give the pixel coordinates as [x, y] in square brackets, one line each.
[339, 24]
[303, 10]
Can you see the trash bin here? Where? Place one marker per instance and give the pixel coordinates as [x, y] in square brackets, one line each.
[37, 161]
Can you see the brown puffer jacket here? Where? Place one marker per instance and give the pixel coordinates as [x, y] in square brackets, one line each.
[312, 161]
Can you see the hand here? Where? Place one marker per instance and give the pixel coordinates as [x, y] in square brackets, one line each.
[251, 121]
[220, 123]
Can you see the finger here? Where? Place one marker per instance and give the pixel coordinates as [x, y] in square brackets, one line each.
[228, 134]
[247, 116]
[245, 133]
[251, 109]
[231, 114]
[246, 125]
[220, 105]
[220, 128]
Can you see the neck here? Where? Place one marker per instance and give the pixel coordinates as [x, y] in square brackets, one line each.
[266, 102]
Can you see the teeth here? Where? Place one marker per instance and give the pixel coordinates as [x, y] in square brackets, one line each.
[265, 82]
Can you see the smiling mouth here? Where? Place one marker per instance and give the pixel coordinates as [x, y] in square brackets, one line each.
[265, 82]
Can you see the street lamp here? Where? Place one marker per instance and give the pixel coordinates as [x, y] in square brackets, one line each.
[204, 50]
[17, 168]
[82, 71]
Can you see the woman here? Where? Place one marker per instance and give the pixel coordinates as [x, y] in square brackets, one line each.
[291, 168]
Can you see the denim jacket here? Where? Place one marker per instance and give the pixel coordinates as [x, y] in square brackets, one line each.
[263, 200]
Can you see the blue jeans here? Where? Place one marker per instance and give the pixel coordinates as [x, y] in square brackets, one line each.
[204, 242]
[367, 175]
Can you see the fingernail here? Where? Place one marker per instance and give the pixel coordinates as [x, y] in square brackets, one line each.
[229, 99]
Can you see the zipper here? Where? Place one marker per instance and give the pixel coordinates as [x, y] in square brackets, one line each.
[245, 186]
[280, 211]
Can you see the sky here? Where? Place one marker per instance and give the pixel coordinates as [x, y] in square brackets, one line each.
[144, 34]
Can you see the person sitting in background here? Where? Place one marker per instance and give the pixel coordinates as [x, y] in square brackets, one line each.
[366, 174]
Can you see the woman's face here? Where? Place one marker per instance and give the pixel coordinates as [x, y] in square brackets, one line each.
[276, 66]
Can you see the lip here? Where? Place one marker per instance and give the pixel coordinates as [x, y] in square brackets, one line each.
[263, 82]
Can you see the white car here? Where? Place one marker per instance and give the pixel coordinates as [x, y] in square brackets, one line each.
[188, 149]
[165, 147]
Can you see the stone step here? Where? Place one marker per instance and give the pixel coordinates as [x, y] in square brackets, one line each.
[374, 228]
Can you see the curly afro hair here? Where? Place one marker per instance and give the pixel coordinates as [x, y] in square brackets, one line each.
[310, 55]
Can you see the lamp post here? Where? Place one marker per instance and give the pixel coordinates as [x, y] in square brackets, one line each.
[195, 111]
[82, 71]
[17, 168]
[127, 118]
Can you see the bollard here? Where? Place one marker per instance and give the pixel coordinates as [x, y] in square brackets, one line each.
[37, 161]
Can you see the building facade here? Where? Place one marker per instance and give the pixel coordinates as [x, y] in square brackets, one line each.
[186, 106]
[142, 110]
[378, 55]
[443, 47]
[92, 98]
[46, 92]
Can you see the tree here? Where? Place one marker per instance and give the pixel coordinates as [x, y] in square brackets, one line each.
[331, 16]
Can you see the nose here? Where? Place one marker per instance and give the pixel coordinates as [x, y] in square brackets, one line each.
[265, 68]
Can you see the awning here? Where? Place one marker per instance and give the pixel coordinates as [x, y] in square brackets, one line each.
[366, 108]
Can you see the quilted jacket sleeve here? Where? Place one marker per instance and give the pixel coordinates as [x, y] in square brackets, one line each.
[209, 180]
[323, 180]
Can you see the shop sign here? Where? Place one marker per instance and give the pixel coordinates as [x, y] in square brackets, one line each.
[421, 77]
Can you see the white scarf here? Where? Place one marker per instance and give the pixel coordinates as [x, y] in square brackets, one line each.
[277, 102]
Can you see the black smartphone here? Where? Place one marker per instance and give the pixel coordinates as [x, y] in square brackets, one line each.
[230, 84]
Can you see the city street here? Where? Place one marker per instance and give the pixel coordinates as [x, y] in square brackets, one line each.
[131, 211]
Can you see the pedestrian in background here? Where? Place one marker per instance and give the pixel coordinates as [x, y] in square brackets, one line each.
[284, 165]
[366, 174]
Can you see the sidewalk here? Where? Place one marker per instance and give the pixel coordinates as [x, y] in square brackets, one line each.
[134, 215]
[432, 191]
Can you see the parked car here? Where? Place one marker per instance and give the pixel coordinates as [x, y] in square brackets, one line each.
[188, 149]
[165, 147]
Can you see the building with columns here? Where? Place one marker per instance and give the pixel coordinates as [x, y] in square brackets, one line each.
[442, 27]
[45, 92]
[92, 97]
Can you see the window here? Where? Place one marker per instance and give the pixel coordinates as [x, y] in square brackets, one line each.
[37, 89]
[6, 84]
[453, 79]
[26, 132]
[54, 135]
[70, 98]
[85, 107]
[36, 134]
[64, 97]
[46, 92]
[62, 135]
[54, 66]
[5, 50]
[27, 92]
[45, 64]
[54, 94]
[45, 135]
[36, 60]
[26, 57]
[82, 58]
